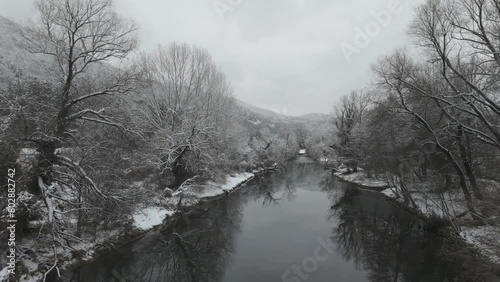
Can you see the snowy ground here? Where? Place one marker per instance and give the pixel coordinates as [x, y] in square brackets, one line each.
[361, 179]
[485, 238]
[451, 204]
[143, 219]
[212, 189]
[149, 217]
[433, 204]
[4, 274]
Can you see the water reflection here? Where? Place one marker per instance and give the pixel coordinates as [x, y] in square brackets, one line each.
[258, 232]
[197, 246]
[382, 239]
[283, 185]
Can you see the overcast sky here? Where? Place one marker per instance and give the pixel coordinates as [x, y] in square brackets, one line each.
[283, 55]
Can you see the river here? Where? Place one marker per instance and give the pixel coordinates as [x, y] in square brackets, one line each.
[299, 224]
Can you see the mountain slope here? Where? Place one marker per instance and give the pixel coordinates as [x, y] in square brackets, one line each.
[257, 115]
[15, 61]
[264, 114]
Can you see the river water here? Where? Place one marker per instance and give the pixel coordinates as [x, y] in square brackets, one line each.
[296, 225]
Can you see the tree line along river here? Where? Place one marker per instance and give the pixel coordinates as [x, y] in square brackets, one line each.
[299, 224]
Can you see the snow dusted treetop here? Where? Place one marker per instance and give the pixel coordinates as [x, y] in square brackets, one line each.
[79, 34]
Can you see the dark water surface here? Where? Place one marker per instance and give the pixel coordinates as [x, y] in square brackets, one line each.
[296, 225]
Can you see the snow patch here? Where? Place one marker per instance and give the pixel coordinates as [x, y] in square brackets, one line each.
[390, 192]
[232, 181]
[443, 205]
[30, 265]
[4, 274]
[484, 238]
[256, 122]
[150, 217]
[360, 178]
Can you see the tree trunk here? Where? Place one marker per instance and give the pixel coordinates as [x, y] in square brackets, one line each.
[468, 165]
[45, 160]
[180, 174]
[179, 170]
[453, 161]
[465, 189]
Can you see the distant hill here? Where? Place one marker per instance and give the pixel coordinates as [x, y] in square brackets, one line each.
[265, 114]
[312, 130]
[316, 117]
[258, 115]
[15, 60]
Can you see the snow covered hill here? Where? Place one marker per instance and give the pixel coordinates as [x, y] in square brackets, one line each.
[256, 116]
[16, 61]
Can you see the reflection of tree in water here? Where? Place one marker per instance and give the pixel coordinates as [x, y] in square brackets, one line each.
[265, 189]
[383, 240]
[283, 184]
[197, 246]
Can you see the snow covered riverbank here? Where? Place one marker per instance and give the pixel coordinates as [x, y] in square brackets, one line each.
[143, 220]
[149, 217]
[360, 178]
[446, 205]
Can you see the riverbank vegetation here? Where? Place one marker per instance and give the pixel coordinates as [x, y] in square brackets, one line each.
[95, 129]
[428, 125]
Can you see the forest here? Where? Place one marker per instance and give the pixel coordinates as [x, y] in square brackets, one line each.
[428, 123]
[94, 130]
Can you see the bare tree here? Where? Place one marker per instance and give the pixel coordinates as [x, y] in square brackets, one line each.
[392, 72]
[461, 37]
[187, 108]
[348, 114]
[80, 36]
